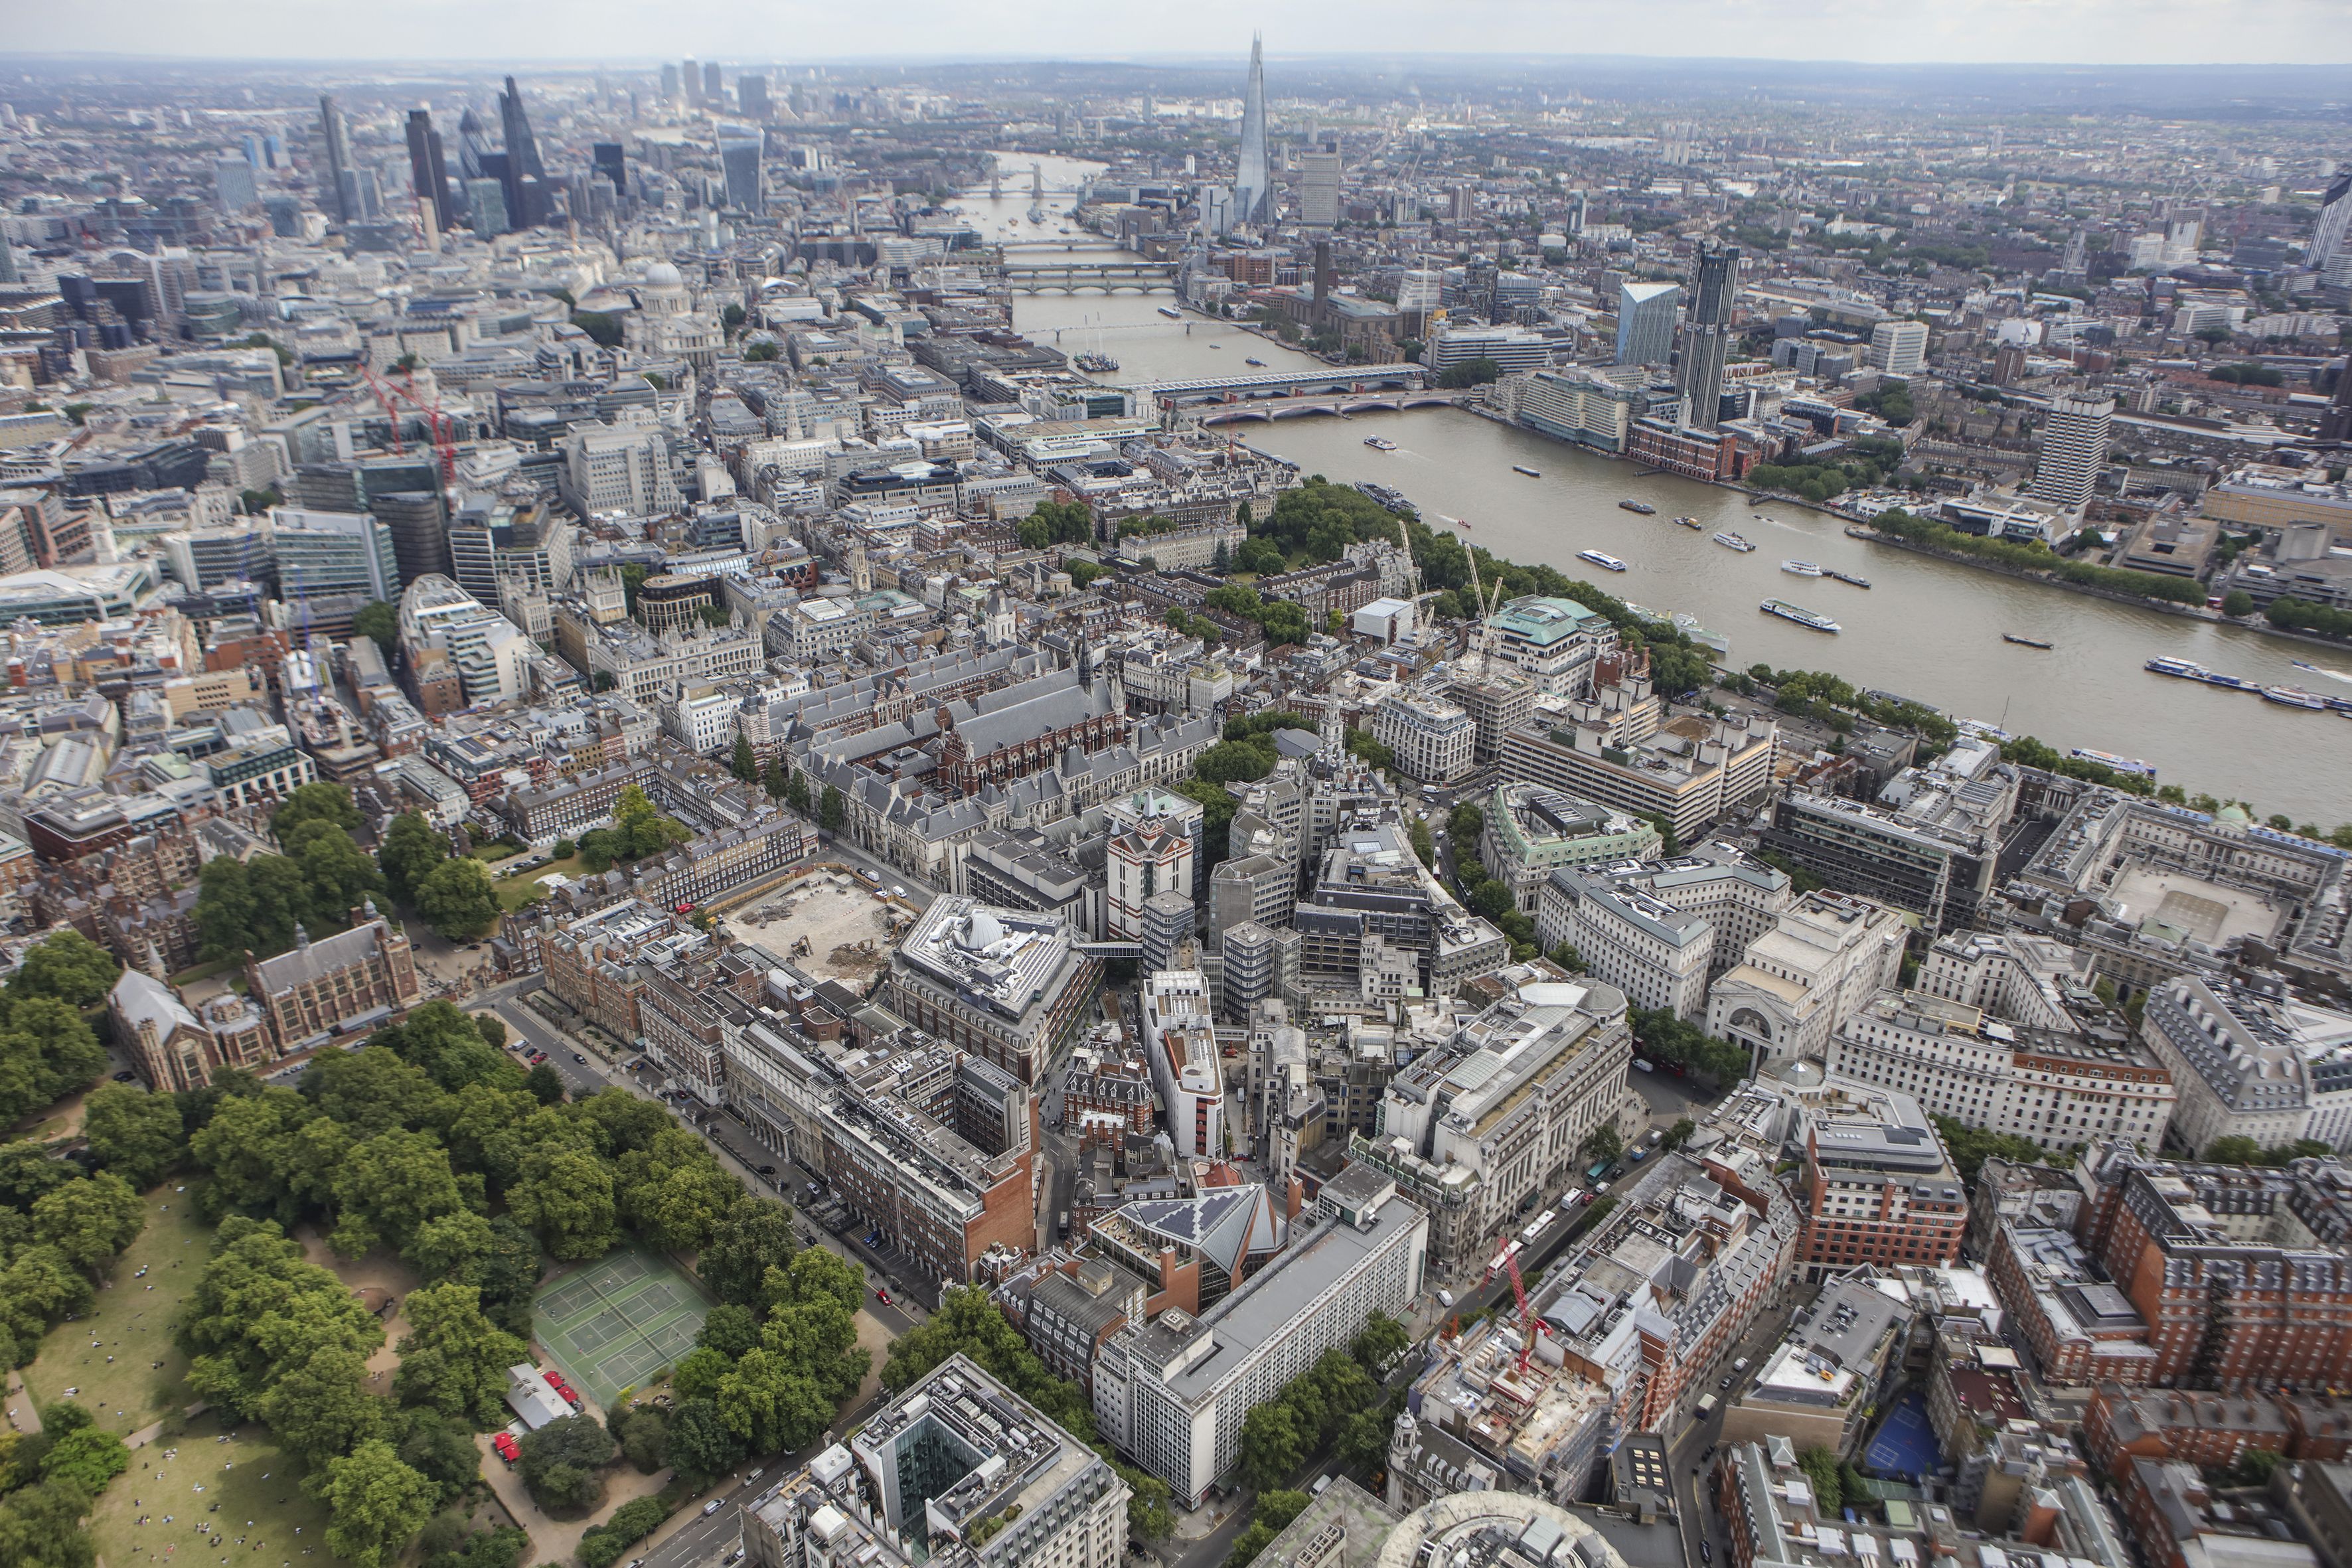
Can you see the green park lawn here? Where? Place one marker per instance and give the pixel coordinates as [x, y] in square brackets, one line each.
[133, 1325]
[514, 892]
[248, 1477]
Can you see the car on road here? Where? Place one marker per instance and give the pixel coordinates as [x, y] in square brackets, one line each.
[1726, 1384]
[126, 1076]
[1706, 1552]
[710, 1507]
[755, 1475]
[767, 1170]
[881, 1295]
[897, 892]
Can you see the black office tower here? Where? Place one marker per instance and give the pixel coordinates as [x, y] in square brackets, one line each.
[522, 161]
[1706, 334]
[612, 162]
[427, 173]
[336, 182]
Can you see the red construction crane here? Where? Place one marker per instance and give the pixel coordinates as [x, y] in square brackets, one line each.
[391, 414]
[1507, 1256]
[444, 443]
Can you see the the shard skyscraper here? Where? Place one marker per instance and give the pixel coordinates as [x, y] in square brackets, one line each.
[1253, 184]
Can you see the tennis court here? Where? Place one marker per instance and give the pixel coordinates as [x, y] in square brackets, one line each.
[616, 1322]
[1904, 1443]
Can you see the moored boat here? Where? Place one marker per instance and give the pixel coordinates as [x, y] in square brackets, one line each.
[2294, 697]
[1812, 620]
[2110, 760]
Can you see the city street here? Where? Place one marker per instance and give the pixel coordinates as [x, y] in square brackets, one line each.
[1691, 1453]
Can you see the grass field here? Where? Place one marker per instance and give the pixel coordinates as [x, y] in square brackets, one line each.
[615, 1323]
[514, 892]
[132, 1325]
[246, 1478]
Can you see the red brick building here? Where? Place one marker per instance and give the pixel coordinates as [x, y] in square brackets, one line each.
[2223, 1312]
[2208, 1430]
[1876, 1186]
[1714, 454]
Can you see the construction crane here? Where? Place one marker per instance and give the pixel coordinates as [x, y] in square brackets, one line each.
[1506, 1258]
[391, 414]
[436, 422]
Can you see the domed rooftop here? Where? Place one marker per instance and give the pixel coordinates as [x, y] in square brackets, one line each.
[982, 930]
[2234, 813]
[662, 275]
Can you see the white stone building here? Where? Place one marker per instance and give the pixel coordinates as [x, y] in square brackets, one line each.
[1825, 957]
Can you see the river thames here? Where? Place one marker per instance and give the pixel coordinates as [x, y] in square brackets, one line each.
[1927, 628]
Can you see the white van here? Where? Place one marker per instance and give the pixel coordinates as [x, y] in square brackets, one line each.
[1444, 1297]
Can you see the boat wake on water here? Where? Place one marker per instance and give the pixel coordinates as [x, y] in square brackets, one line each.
[2321, 669]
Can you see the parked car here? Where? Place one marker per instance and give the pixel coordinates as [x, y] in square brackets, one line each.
[710, 1507]
[767, 1170]
[1445, 1297]
[126, 1076]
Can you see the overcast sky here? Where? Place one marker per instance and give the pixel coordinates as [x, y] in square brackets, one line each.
[2150, 32]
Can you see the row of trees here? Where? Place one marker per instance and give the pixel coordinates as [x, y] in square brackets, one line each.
[639, 829]
[46, 1048]
[2037, 557]
[1831, 699]
[1669, 1041]
[60, 1231]
[1338, 1402]
[48, 1481]
[1971, 1147]
[2291, 614]
[2028, 752]
[1481, 889]
[1055, 523]
[2236, 1150]
[1281, 620]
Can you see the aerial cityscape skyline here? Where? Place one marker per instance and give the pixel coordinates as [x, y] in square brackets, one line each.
[1177, 790]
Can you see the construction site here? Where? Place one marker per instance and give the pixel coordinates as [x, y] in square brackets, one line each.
[829, 922]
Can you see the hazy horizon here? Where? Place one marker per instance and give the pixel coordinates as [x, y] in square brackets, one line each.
[2091, 34]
